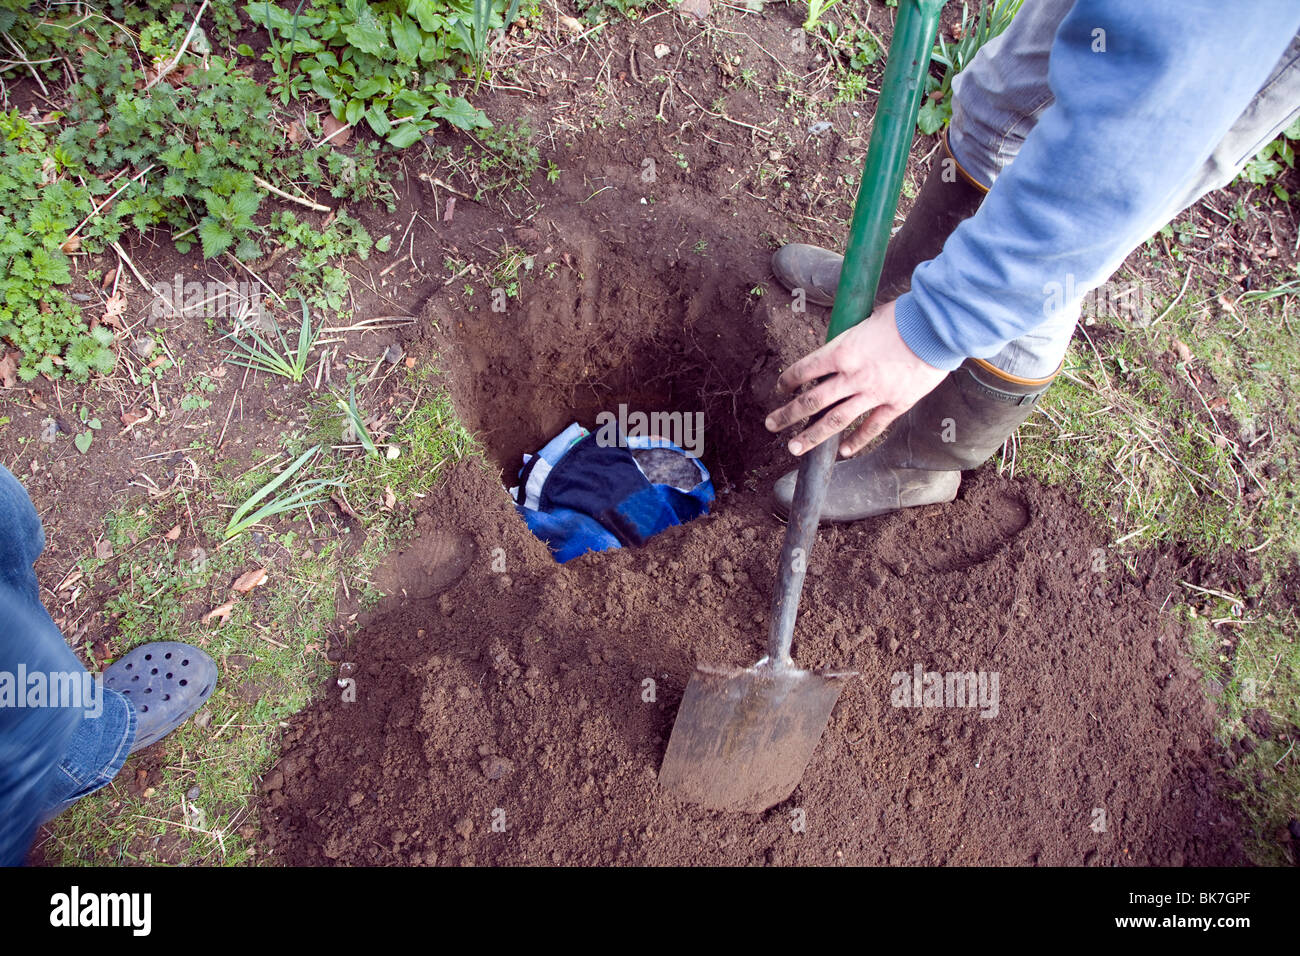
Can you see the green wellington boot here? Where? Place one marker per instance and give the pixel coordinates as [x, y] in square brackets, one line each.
[957, 426]
[948, 196]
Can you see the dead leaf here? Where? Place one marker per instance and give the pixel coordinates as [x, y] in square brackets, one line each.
[699, 9]
[572, 24]
[1226, 305]
[662, 50]
[38, 400]
[135, 416]
[9, 369]
[390, 499]
[220, 614]
[1184, 353]
[173, 534]
[336, 132]
[342, 502]
[450, 211]
[114, 309]
[103, 550]
[109, 278]
[70, 245]
[296, 133]
[249, 580]
[410, 361]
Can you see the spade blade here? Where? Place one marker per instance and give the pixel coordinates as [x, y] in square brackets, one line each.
[743, 737]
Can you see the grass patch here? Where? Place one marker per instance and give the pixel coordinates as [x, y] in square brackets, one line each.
[198, 805]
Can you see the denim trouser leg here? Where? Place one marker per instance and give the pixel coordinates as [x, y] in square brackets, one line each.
[997, 101]
[49, 755]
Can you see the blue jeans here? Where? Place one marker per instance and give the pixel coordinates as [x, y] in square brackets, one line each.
[998, 100]
[54, 748]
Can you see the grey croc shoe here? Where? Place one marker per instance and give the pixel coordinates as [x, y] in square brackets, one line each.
[167, 682]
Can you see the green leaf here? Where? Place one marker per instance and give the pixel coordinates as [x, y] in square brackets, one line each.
[356, 109]
[406, 39]
[368, 33]
[931, 117]
[244, 203]
[322, 85]
[270, 15]
[426, 12]
[378, 121]
[402, 136]
[457, 111]
[83, 440]
[216, 238]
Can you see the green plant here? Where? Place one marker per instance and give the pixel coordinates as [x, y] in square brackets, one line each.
[594, 11]
[83, 439]
[816, 10]
[389, 63]
[992, 18]
[1269, 161]
[193, 151]
[260, 355]
[509, 157]
[316, 278]
[301, 495]
[355, 424]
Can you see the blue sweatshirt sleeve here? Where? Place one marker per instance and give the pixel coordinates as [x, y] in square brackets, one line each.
[1104, 167]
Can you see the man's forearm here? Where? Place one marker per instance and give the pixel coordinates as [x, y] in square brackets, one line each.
[1104, 167]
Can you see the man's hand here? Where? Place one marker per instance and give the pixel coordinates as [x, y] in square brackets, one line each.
[870, 368]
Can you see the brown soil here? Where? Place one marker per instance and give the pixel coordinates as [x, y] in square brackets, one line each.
[520, 698]
[506, 717]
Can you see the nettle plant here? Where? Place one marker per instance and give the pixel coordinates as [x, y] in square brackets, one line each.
[390, 64]
[132, 150]
[39, 207]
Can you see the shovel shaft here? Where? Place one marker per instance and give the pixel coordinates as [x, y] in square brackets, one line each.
[800, 533]
[864, 257]
[901, 91]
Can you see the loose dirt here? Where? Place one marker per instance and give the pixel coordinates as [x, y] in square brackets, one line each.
[520, 717]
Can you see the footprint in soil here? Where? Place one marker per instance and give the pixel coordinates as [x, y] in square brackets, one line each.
[430, 563]
[976, 530]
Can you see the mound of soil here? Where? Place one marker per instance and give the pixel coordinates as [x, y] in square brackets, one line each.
[521, 716]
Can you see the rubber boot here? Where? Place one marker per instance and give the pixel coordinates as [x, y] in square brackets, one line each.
[949, 196]
[957, 426]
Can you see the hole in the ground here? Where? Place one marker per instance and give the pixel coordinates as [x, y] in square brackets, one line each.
[614, 330]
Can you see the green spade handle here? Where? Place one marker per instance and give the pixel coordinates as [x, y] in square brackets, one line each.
[873, 218]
